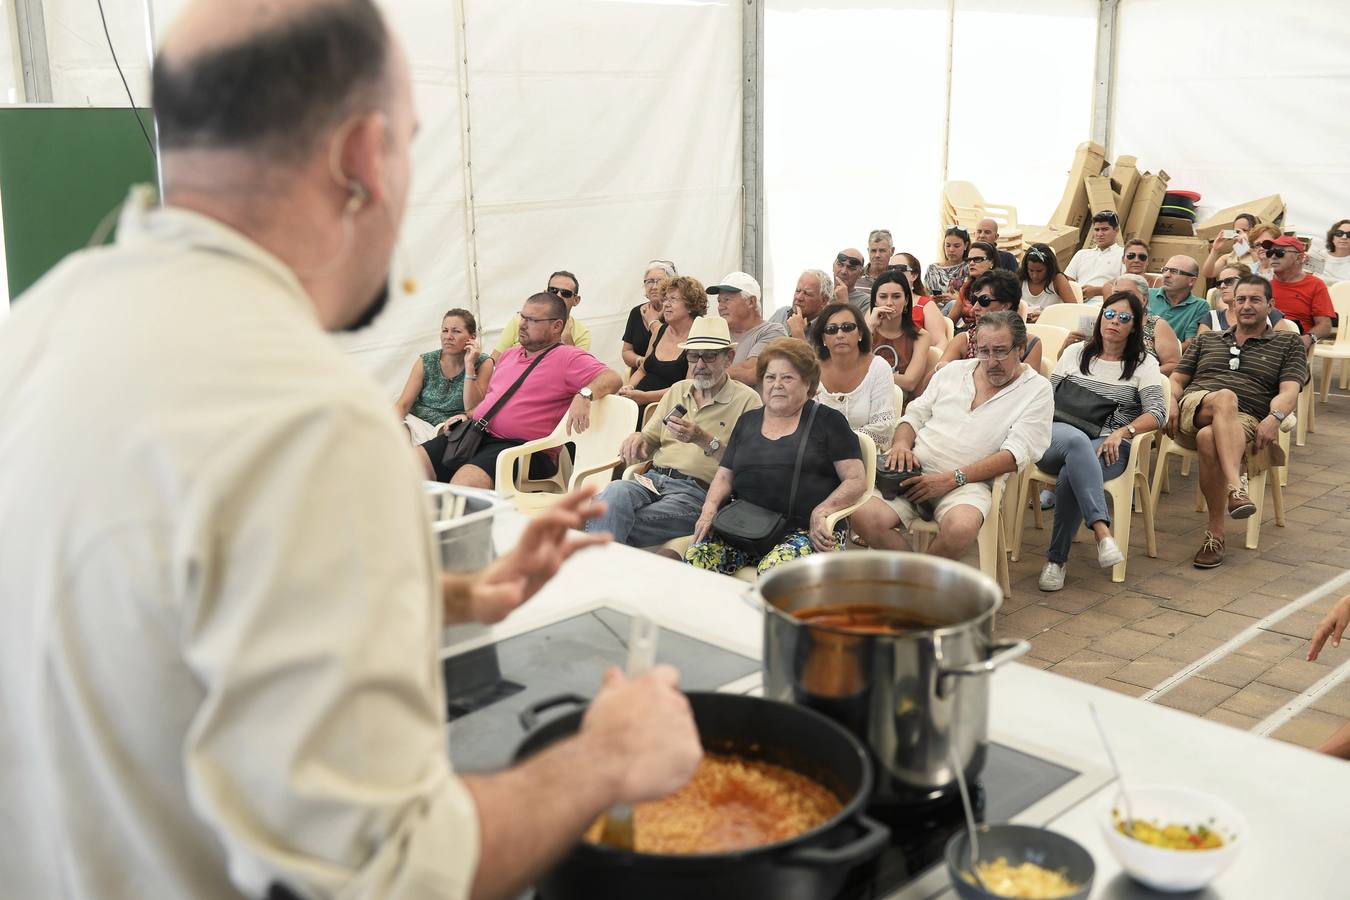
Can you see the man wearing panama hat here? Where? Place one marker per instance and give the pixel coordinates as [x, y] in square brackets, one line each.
[684, 440]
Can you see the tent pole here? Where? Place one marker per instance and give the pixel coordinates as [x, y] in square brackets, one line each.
[466, 147]
[31, 31]
[1103, 88]
[154, 122]
[752, 138]
[947, 96]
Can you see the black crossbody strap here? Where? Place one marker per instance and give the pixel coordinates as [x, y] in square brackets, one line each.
[501, 401]
[801, 452]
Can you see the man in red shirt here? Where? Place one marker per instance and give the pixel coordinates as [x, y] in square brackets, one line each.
[1301, 297]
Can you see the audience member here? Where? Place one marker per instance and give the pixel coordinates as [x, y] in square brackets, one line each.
[1093, 267]
[1174, 301]
[665, 363]
[1233, 389]
[447, 382]
[1332, 626]
[927, 315]
[955, 243]
[814, 289]
[1042, 282]
[1302, 297]
[979, 260]
[684, 448]
[637, 334]
[1159, 338]
[1088, 449]
[564, 383]
[987, 230]
[977, 419]
[896, 334]
[848, 267]
[563, 285]
[1238, 250]
[1222, 319]
[880, 248]
[1336, 262]
[738, 301]
[853, 380]
[760, 458]
[995, 291]
[1135, 257]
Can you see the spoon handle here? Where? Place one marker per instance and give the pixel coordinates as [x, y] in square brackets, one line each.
[1120, 778]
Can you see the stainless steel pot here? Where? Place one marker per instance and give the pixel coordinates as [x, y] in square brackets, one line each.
[907, 695]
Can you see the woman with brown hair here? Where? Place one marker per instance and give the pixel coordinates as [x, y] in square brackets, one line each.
[447, 383]
[683, 301]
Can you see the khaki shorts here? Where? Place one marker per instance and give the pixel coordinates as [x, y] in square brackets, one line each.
[977, 494]
[1273, 455]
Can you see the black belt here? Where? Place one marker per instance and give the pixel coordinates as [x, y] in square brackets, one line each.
[676, 473]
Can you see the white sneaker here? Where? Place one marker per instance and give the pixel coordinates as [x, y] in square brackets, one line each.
[1052, 576]
[1108, 553]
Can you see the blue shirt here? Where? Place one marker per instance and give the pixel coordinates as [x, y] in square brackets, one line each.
[1185, 317]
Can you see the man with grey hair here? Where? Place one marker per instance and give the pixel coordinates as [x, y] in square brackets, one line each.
[220, 663]
[977, 420]
[880, 248]
[987, 230]
[813, 293]
[738, 302]
[684, 439]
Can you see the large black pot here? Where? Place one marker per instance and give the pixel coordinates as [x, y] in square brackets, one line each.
[811, 866]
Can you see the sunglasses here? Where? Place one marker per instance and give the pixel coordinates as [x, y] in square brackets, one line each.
[959, 232]
[1123, 318]
[1168, 270]
[984, 299]
[561, 292]
[1235, 354]
[846, 260]
[845, 327]
[1341, 234]
[976, 259]
[704, 356]
[1136, 256]
[1228, 282]
[531, 320]
[1281, 252]
[903, 267]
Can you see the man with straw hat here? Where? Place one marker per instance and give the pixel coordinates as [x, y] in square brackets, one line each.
[684, 439]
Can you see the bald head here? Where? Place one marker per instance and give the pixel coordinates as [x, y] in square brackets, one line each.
[986, 230]
[271, 76]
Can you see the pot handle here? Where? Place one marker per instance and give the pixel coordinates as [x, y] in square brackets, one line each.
[874, 836]
[529, 716]
[1000, 652]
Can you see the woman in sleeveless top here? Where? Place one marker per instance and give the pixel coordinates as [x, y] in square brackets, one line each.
[896, 337]
[1042, 282]
[665, 363]
[448, 383]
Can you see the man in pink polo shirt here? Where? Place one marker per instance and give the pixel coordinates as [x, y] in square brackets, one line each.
[564, 383]
[1303, 298]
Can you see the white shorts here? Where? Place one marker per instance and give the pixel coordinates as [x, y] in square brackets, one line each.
[420, 431]
[976, 494]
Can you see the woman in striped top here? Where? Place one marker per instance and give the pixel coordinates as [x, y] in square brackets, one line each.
[1114, 365]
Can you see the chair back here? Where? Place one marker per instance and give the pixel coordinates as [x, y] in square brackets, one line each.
[1077, 290]
[1340, 301]
[1065, 315]
[1052, 340]
[612, 419]
[899, 402]
[1212, 295]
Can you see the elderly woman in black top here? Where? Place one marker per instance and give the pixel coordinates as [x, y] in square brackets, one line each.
[758, 462]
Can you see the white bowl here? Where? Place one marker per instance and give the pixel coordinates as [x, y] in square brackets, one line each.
[1175, 870]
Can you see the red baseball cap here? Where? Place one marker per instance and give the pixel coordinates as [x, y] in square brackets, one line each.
[1284, 240]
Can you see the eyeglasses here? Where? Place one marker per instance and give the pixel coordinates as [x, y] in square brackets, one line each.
[845, 260]
[1168, 270]
[1123, 318]
[651, 281]
[1341, 234]
[531, 320]
[1279, 252]
[1227, 282]
[561, 292]
[995, 353]
[845, 327]
[1134, 255]
[705, 356]
[1235, 354]
[976, 259]
[984, 299]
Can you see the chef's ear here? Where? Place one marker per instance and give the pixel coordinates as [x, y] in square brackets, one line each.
[356, 157]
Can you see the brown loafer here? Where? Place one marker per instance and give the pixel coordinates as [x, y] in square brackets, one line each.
[1210, 554]
[1240, 506]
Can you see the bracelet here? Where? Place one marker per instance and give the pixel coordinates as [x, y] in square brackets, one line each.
[468, 377]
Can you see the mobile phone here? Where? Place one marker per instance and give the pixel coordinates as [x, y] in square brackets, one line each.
[1229, 234]
[676, 412]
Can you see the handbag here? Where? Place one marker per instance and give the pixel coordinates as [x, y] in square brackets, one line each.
[1083, 408]
[463, 438]
[753, 528]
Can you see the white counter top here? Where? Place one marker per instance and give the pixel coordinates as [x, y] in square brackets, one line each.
[1296, 802]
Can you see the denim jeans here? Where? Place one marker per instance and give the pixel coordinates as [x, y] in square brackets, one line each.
[639, 518]
[1080, 494]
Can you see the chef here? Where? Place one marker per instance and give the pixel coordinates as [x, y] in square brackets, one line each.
[220, 602]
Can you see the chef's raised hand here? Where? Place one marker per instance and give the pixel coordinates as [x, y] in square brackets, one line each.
[1333, 626]
[641, 733]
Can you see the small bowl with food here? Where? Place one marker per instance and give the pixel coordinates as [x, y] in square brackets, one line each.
[1020, 861]
[1181, 839]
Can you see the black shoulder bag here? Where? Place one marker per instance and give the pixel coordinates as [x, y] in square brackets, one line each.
[752, 528]
[463, 438]
[1081, 407]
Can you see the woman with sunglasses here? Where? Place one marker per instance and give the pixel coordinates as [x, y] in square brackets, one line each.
[637, 334]
[955, 243]
[897, 336]
[993, 291]
[852, 379]
[981, 259]
[1112, 365]
[1222, 319]
[1042, 282]
[1336, 262]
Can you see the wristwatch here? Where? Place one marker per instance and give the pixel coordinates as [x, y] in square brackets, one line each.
[586, 394]
[713, 446]
[1131, 429]
[1279, 416]
[960, 477]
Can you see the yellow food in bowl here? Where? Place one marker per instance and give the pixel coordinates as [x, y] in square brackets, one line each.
[1026, 881]
[1171, 836]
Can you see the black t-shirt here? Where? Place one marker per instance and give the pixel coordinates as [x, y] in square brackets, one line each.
[762, 469]
[636, 332]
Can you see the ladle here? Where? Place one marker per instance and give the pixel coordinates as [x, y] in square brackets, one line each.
[617, 829]
[972, 840]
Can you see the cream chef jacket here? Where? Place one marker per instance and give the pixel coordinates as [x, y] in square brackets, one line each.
[219, 613]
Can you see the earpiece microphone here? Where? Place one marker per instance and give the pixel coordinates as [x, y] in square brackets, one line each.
[358, 196]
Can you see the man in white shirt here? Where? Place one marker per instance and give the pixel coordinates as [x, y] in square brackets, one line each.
[1096, 266]
[222, 604]
[977, 420]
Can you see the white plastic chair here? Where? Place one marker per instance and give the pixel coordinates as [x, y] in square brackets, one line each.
[1052, 339]
[992, 541]
[1065, 315]
[1329, 353]
[595, 459]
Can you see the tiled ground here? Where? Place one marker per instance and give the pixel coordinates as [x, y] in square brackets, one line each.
[1144, 637]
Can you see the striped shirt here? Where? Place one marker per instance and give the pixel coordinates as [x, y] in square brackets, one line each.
[1263, 363]
[1141, 393]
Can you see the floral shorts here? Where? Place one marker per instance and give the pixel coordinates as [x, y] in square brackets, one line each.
[715, 556]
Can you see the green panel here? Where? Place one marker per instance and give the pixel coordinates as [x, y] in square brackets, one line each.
[62, 170]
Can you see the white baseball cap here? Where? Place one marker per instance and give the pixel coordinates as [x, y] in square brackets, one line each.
[736, 282]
